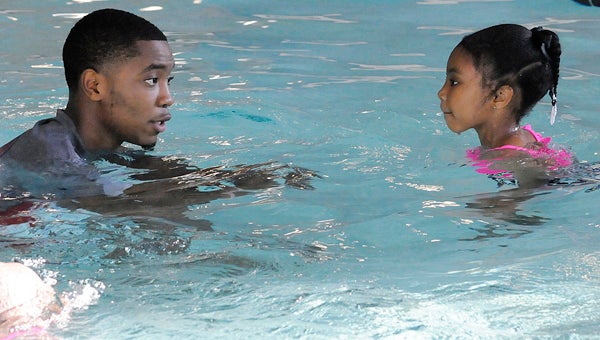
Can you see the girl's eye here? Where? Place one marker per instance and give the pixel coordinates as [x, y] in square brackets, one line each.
[452, 82]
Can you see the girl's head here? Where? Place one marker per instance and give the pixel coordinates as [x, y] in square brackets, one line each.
[526, 60]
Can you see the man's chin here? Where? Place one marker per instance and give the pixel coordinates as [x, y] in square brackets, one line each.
[148, 147]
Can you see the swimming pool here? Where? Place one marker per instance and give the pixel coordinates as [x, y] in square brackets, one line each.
[398, 239]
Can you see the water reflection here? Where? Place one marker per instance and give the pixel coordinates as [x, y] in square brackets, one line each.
[156, 190]
[505, 214]
[506, 206]
[505, 209]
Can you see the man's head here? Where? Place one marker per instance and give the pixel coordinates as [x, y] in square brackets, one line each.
[104, 36]
[118, 68]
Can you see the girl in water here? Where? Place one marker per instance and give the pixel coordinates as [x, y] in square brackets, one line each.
[494, 77]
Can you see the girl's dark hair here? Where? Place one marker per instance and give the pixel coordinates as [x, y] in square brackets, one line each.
[102, 36]
[527, 60]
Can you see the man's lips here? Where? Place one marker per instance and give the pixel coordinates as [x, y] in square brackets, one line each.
[160, 125]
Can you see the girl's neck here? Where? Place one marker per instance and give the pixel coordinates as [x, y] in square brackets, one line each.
[513, 135]
[506, 134]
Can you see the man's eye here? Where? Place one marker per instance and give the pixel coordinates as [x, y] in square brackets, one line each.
[169, 80]
[151, 81]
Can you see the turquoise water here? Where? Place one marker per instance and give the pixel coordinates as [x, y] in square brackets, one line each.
[398, 238]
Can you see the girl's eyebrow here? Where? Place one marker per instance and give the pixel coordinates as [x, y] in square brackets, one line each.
[452, 70]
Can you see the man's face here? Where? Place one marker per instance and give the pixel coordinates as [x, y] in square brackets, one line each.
[135, 109]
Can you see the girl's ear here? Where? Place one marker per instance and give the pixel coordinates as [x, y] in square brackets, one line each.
[503, 96]
[91, 84]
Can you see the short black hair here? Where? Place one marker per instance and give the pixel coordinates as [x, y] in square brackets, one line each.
[103, 36]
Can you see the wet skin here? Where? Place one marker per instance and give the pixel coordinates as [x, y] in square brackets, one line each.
[463, 100]
[131, 99]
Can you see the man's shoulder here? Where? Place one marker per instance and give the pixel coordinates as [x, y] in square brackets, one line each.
[49, 139]
[54, 127]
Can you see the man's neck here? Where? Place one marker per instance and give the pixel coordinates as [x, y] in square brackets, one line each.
[84, 119]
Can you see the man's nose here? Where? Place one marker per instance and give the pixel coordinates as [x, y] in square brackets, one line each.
[166, 98]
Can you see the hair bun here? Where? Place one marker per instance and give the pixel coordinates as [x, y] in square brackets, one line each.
[547, 42]
[549, 46]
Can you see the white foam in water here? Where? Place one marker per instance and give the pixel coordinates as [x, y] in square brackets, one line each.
[79, 297]
[82, 295]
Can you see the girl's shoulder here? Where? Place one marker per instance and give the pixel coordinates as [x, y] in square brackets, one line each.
[537, 136]
[535, 153]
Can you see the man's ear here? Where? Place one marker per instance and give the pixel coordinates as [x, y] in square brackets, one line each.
[503, 96]
[91, 83]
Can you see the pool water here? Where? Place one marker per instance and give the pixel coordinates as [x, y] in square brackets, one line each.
[397, 238]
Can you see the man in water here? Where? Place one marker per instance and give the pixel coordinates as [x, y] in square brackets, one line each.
[118, 68]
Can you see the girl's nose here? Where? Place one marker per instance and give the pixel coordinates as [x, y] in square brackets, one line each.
[442, 92]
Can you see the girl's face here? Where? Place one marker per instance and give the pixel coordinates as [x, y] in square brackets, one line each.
[466, 104]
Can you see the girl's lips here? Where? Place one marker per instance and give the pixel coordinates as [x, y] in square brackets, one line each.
[444, 111]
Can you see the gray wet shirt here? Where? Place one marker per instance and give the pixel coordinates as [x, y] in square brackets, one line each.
[51, 143]
[49, 158]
